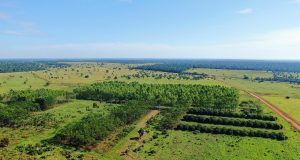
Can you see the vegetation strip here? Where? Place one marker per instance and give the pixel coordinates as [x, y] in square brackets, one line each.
[233, 122]
[231, 131]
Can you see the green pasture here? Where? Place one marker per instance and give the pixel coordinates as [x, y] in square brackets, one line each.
[176, 144]
[274, 92]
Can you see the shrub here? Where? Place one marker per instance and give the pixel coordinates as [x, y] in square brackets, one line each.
[4, 142]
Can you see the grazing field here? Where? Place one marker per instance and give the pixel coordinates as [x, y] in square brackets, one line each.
[19, 81]
[289, 106]
[47, 133]
[221, 73]
[284, 95]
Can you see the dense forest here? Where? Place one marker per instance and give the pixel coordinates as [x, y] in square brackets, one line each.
[161, 94]
[179, 66]
[27, 65]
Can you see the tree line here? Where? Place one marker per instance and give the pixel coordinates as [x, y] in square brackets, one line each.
[184, 76]
[212, 112]
[281, 77]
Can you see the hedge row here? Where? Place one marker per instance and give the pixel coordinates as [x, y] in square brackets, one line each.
[212, 112]
[231, 131]
[233, 122]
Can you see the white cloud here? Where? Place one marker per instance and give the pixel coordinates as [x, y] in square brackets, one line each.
[282, 44]
[245, 11]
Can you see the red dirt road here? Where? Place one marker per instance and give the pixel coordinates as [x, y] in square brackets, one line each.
[277, 110]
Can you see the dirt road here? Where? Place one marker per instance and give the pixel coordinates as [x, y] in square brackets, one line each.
[140, 124]
[277, 110]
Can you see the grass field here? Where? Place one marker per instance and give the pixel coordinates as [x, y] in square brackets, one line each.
[176, 144]
[19, 81]
[221, 73]
[274, 92]
[289, 106]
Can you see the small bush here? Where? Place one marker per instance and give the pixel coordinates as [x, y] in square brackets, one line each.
[4, 142]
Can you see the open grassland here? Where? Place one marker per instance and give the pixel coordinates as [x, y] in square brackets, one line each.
[19, 81]
[175, 81]
[82, 73]
[221, 73]
[289, 106]
[155, 144]
[274, 92]
[63, 78]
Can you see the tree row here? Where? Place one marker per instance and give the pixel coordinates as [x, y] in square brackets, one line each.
[231, 131]
[212, 112]
[233, 122]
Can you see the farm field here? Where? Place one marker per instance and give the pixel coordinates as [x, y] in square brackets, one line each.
[155, 144]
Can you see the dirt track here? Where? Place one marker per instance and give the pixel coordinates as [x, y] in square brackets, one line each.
[140, 124]
[277, 110]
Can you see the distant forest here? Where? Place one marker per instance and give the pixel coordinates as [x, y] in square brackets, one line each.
[27, 65]
[166, 65]
[180, 66]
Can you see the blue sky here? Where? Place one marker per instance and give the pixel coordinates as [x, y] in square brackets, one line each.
[230, 29]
